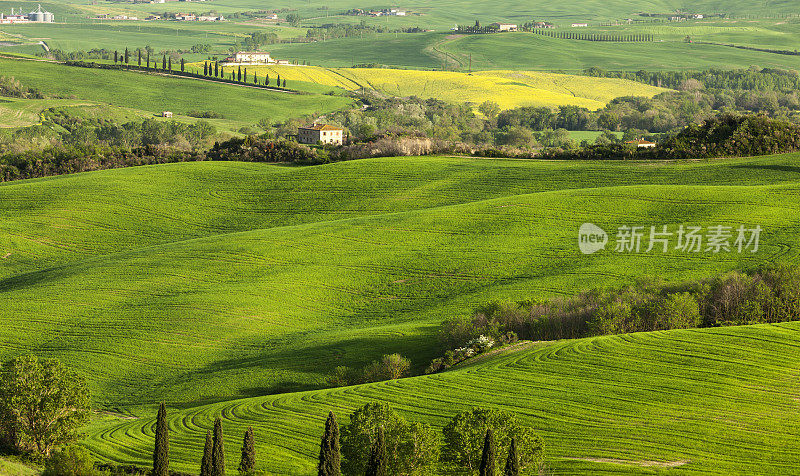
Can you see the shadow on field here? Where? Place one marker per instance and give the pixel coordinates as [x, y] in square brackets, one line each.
[774, 167]
[313, 361]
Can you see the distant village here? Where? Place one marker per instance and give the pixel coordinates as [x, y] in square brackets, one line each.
[386, 12]
[38, 16]
[171, 16]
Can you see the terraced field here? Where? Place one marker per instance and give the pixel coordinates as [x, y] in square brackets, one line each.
[507, 88]
[714, 401]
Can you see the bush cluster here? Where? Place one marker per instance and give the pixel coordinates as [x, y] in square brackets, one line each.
[767, 295]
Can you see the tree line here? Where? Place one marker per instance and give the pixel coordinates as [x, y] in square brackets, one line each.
[769, 294]
[618, 38]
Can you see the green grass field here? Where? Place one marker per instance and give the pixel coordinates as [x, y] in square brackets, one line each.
[713, 401]
[155, 93]
[247, 279]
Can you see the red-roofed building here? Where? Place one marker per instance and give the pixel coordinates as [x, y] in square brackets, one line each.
[320, 134]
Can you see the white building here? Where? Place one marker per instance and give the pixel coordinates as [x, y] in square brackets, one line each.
[250, 57]
[505, 26]
[580, 25]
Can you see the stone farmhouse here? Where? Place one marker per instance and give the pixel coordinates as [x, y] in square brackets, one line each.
[320, 134]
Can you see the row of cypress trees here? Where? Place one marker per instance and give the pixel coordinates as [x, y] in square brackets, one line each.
[215, 70]
[488, 465]
[213, 462]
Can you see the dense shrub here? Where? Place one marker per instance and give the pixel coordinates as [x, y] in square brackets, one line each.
[70, 461]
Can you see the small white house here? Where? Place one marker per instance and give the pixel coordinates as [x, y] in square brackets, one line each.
[505, 26]
[580, 25]
[166, 114]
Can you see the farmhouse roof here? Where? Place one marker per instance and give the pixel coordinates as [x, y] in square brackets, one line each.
[322, 127]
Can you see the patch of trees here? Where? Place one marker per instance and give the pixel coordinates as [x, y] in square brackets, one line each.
[752, 79]
[12, 88]
[729, 135]
[378, 441]
[389, 367]
[766, 295]
[42, 405]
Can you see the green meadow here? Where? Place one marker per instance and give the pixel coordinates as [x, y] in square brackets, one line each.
[154, 93]
[211, 281]
[712, 401]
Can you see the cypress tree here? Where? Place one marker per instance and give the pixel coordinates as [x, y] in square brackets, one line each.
[255, 77]
[164, 62]
[284, 83]
[279, 80]
[329, 452]
[140, 58]
[239, 76]
[183, 65]
[488, 457]
[266, 81]
[248, 462]
[127, 55]
[512, 463]
[218, 451]
[169, 63]
[116, 57]
[377, 458]
[206, 465]
[148, 60]
[216, 69]
[161, 451]
[245, 76]
[205, 68]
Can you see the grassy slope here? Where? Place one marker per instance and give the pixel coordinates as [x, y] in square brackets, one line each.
[508, 88]
[155, 93]
[14, 468]
[713, 401]
[243, 279]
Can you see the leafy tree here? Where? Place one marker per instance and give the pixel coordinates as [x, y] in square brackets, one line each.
[464, 438]
[293, 19]
[206, 466]
[377, 465]
[69, 461]
[218, 451]
[329, 452]
[488, 458]
[161, 451]
[512, 462]
[489, 109]
[390, 367]
[42, 404]
[408, 447]
[248, 461]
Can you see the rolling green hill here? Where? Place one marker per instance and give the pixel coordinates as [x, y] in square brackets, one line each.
[206, 281]
[712, 401]
[155, 93]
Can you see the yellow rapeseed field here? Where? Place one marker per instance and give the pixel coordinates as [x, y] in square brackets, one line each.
[509, 89]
